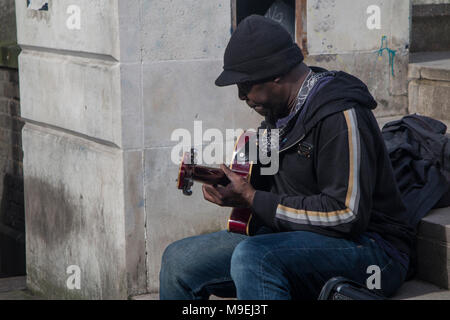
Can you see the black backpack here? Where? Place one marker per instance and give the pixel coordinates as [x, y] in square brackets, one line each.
[419, 149]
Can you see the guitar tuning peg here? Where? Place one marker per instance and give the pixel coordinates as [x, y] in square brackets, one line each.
[188, 183]
[194, 153]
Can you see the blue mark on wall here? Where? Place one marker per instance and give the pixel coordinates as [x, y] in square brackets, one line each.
[391, 53]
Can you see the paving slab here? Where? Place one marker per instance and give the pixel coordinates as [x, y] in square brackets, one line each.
[430, 65]
[12, 284]
[19, 295]
[149, 296]
[411, 290]
[420, 290]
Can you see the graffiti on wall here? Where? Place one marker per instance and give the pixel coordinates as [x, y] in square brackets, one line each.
[283, 14]
[391, 53]
[41, 5]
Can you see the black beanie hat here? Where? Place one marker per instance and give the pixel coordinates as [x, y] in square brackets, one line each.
[259, 49]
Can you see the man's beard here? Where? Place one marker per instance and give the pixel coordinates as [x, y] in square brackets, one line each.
[273, 115]
[271, 119]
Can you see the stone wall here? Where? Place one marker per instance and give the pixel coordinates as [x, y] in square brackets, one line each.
[73, 150]
[339, 38]
[8, 21]
[179, 68]
[12, 226]
[431, 27]
[421, 2]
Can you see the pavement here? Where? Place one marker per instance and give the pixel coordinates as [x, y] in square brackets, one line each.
[18, 295]
[411, 290]
[15, 289]
[420, 290]
[439, 60]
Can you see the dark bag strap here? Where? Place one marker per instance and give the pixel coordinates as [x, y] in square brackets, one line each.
[340, 288]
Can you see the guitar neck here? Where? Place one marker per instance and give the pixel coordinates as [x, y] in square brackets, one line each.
[209, 175]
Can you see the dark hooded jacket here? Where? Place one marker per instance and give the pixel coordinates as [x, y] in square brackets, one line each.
[419, 151]
[335, 176]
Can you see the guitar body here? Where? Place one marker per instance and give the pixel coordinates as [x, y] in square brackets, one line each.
[240, 218]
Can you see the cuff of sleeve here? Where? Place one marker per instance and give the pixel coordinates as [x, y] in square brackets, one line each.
[265, 206]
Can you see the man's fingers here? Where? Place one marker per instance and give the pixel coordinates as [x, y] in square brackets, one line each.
[213, 191]
[229, 173]
[208, 196]
[222, 190]
[211, 195]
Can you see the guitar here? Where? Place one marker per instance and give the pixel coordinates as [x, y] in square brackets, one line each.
[240, 218]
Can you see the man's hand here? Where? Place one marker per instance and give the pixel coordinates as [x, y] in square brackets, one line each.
[238, 193]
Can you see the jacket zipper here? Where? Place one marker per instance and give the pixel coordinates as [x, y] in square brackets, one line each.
[293, 144]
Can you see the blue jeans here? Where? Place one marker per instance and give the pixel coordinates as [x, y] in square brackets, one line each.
[271, 266]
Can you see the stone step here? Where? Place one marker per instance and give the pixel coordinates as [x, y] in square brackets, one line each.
[433, 248]
[147, 296]
[433, 239]
[429, 84]
[430, 66]
[18, 295]
[433, 245]
[421, 290]
[382, 121]
[410, 290]
[12, 284]
[155, 296]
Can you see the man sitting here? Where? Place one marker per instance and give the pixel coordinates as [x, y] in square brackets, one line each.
[332, 209]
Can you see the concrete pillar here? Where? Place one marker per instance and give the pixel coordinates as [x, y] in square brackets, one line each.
[8, 39]
[12, 228]
[75, 150]
[101, 96]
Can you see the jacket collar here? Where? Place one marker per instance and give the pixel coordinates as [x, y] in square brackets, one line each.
[344, 92]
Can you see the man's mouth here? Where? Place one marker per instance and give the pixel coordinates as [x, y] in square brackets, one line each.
[259, 109]
[254, 106]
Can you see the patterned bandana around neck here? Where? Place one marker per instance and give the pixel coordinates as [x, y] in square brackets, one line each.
[272, 140]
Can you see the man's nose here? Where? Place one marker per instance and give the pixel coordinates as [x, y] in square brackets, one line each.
[241, 95]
